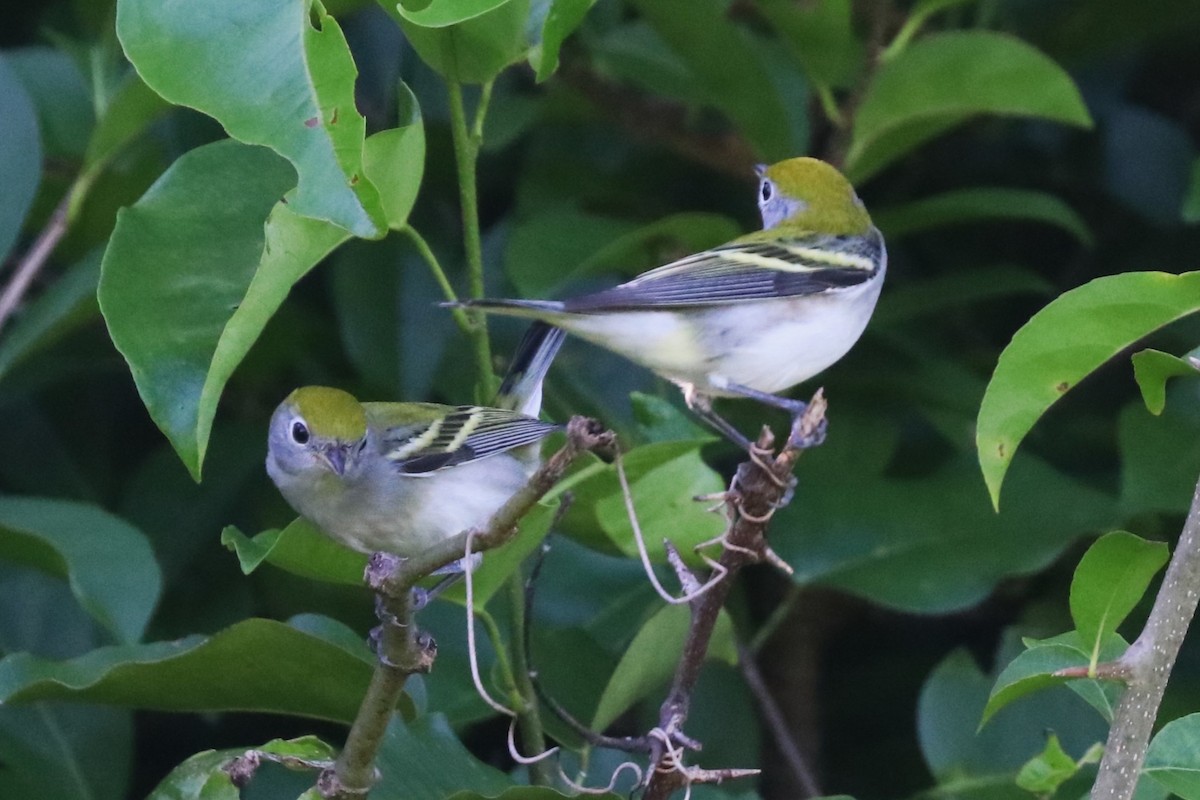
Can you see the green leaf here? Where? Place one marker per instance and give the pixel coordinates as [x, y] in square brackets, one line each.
[981, 203]
[20, 156]
[106, 561]
[394, 160]
[943, 80]
[128, 113]
[820, 35]
[659, 420]
[728, 66]
[1152, 369]
[442, 13]
[920, 13]
[1173, 759]
[61, 96]
[300, 549]
[424, 760]
[1048, 770]
[650, 660]
[237, 59]
[531, 793]
[935, 296]
[1160, 458]
[64, 306]
[562, 19]
[64, 752]
[201, 777]
[256, 665]
[663, 480]
[474, 50]
[502, 562]
[1111, 578]
[1062, 344]
[948, 713]
[1033, 670]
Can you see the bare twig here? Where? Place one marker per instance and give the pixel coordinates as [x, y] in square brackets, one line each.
[776, 723]
[1148, 663]
[35, 258]
[759, 489]
[402, 649]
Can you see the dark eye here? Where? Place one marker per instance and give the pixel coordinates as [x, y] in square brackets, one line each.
[765, 191]
[299, 433]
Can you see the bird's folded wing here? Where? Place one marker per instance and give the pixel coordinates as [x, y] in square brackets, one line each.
[747, 270]
[465, 434]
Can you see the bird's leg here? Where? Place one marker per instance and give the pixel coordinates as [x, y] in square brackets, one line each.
[795, 408]
[701, 406]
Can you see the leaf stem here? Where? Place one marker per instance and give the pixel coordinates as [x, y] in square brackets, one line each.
[466, 155]
[529, 719]
[35, 258]
[435, 267]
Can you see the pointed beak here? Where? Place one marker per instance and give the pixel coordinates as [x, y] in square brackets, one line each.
[335, 457]
[760, 169]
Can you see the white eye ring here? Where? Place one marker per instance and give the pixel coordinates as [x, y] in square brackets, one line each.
[299, 432]
[765, 191]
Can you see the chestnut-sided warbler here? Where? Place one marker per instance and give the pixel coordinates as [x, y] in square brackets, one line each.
[752, 317]
[398, 477]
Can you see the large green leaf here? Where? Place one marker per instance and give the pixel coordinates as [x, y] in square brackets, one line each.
[944, 79]
[191, 276]
[65, 752]
[300, 549]
[729, 67]
[1111, 578]
[424, 760]
[106, 561]
[255, 665]
[1065, 342]
[20, 156]
[1173, 759]
[981, 203]
[269, 77]
[930, 543]
[820, 35]
[468, 42]
[651, 658]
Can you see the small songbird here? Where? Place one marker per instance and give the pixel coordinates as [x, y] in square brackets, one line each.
[749, 318]
[398, 477]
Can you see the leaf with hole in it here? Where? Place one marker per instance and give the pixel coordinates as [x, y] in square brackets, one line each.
[254, 665]
[1173, 760]
[977, 204]
[1064, 343]
[203, 776]
[650, 660]
[1152, 369]
[238, 60]
[107, 562]
[944, 79]
[1111, 578]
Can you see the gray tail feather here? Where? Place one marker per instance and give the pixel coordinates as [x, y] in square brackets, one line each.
[521, 389]
[515, 308]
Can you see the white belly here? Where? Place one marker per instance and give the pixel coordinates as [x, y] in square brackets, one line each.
[768, 345]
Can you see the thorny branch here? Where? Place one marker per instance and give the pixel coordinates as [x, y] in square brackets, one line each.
[759, 488]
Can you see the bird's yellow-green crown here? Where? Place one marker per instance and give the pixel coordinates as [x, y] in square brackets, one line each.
[831, 206]
[330, 413]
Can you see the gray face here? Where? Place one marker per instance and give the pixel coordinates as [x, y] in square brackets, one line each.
[291, 446]
[775, 206]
